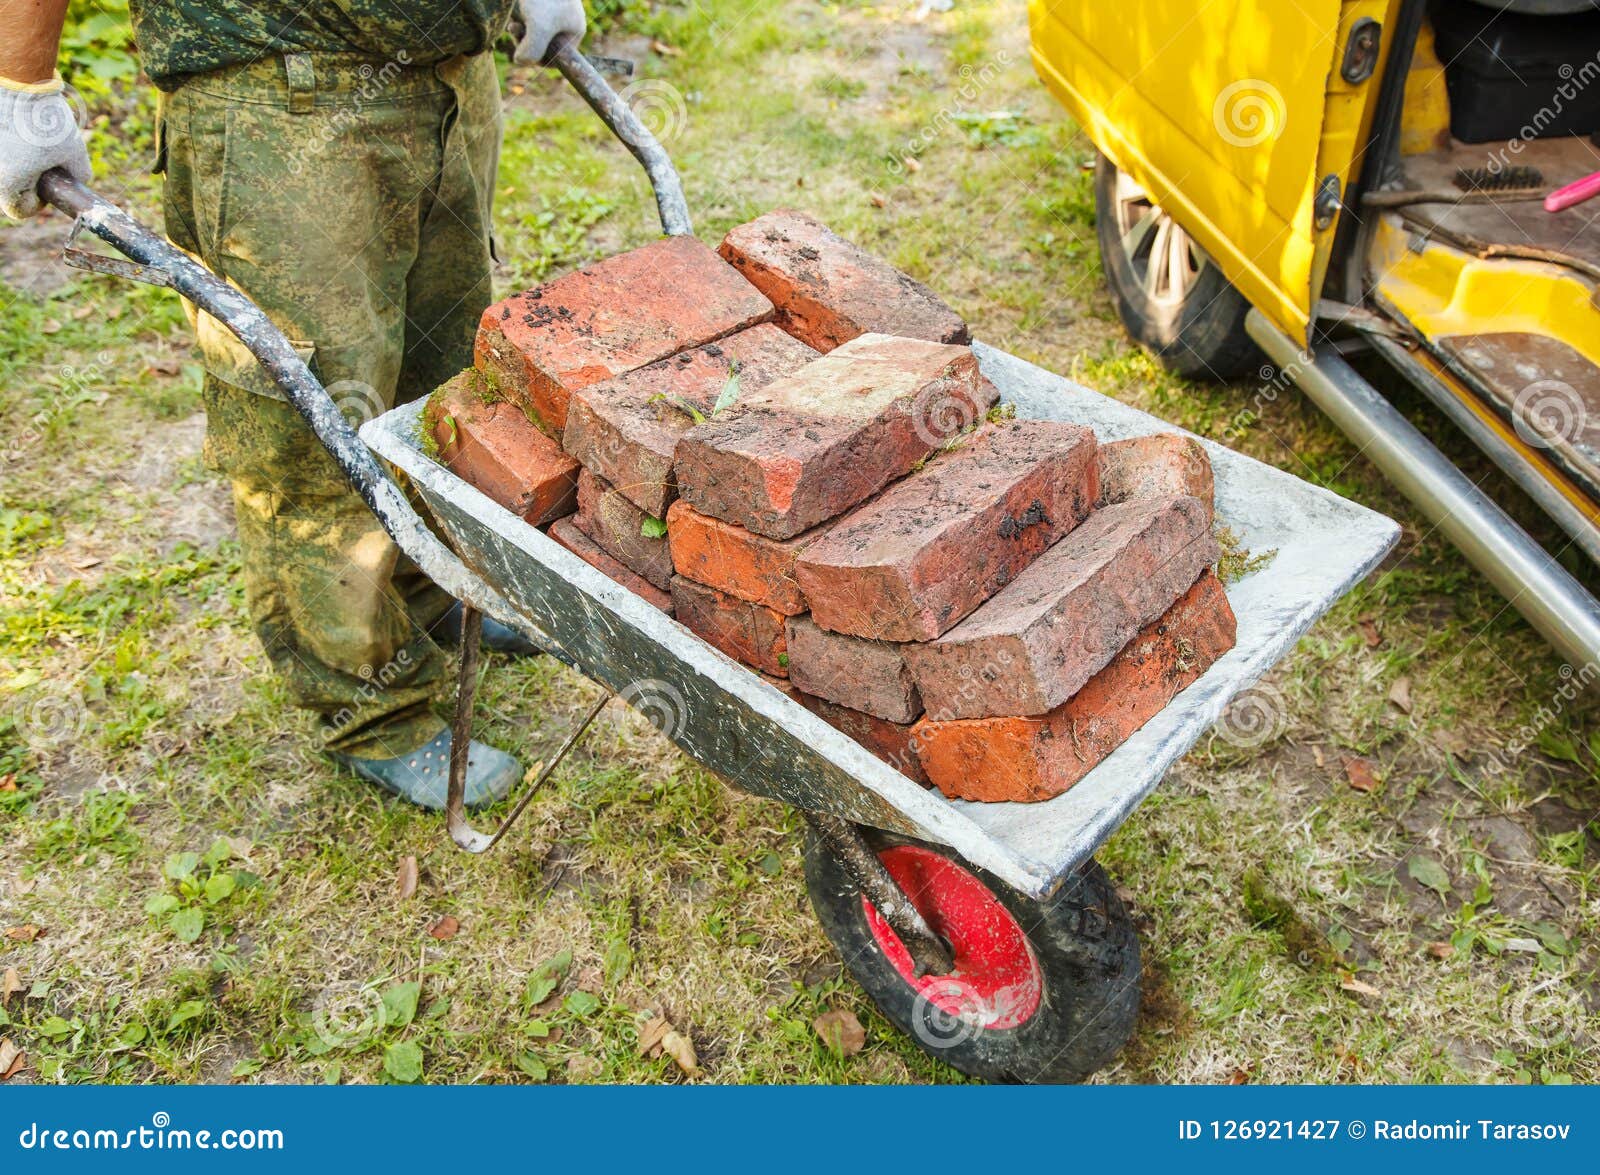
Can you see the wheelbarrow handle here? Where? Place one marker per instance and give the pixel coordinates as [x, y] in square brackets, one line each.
[168, 265]
[633, 134]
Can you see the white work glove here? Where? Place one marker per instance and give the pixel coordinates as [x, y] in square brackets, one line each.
[38, 131]
[543, 21]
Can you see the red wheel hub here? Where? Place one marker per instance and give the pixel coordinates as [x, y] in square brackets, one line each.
[996, 982]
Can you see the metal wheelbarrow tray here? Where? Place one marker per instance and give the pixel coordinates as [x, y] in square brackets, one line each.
[747, 732]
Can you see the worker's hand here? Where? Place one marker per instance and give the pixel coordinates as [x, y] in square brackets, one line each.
[38, 131]
[544, 20]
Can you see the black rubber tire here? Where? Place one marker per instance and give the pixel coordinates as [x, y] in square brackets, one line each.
[1085, 946]
[1200, 336]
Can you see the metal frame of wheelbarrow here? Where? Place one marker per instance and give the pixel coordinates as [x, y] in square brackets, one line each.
[719, 712]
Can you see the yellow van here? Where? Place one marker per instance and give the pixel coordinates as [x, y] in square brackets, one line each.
[1304, 178]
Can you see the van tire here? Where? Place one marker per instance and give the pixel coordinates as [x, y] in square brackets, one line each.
[1187, 315]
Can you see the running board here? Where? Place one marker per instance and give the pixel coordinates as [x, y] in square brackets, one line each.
[1539, 588]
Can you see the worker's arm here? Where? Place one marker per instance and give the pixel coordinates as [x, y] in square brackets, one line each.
[38, 126]
[30, 37]
[544, 20]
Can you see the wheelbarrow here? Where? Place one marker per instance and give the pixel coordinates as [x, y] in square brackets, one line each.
[987, 931]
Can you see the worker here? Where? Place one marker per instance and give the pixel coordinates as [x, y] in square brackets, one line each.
[336, 161]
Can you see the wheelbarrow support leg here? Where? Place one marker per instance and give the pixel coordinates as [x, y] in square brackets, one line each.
[455, 808]
[930, 954]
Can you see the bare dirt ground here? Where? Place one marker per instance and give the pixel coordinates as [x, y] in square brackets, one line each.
[1384, 871]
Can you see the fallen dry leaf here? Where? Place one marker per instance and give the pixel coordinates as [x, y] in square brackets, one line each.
[1240, 1076]
[1369, 631]
[445, 929]
[879, 200]
[681, 1049]
[50, 326]
[651, 1033]
[12, 1059]
[8, 781]
[841, 1032]
[1400, 694]
[405, 879]
[1359, 773]
[84, 562]
[24, 933]
[913, 164]
[10, 985]
[1351, 984]
[657, 1036]
[1441, 950]
[665, 49]
[166, 367]
[1316, 753]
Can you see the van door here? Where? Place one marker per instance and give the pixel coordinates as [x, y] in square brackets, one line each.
[1242, 119]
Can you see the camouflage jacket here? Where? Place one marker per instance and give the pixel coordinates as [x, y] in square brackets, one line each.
[179, 37]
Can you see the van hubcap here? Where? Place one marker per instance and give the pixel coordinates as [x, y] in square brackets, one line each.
[1163, 257]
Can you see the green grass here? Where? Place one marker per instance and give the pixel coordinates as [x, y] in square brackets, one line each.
[1290, 927]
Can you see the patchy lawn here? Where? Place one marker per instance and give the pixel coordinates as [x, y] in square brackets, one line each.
[1390, 877]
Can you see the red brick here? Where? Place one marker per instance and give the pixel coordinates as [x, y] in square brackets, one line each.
[828, 291]
[863, 675]
[919, 557]
[616, 315]
[1038, 640]
[627, 429]
[1030, 759]
[746, 632]
[808, 447]
[581, 545]
[1161, 465]
[735, 560]
[893, 742]
[490, 444]
[618, 527]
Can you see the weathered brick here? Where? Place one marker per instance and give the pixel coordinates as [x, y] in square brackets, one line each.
[893, 742]
[581, 545]
[829, 291]
[1028, 759]
[1161, 465]
[861, 674]
[746, 632]
[595, 323]
[626, 429]
[808, 447]
[490, 444]
[735, 560]
[618, 528]
[911, 563]
[1037, 641]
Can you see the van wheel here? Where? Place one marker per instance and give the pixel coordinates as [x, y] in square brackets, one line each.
[1171, 297]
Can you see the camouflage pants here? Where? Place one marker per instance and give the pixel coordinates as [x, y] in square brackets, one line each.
[350, 199]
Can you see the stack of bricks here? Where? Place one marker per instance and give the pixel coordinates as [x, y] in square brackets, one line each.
[787, 445]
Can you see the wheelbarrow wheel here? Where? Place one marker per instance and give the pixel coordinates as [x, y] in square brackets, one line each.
[1171, 297]
[1042, 992]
